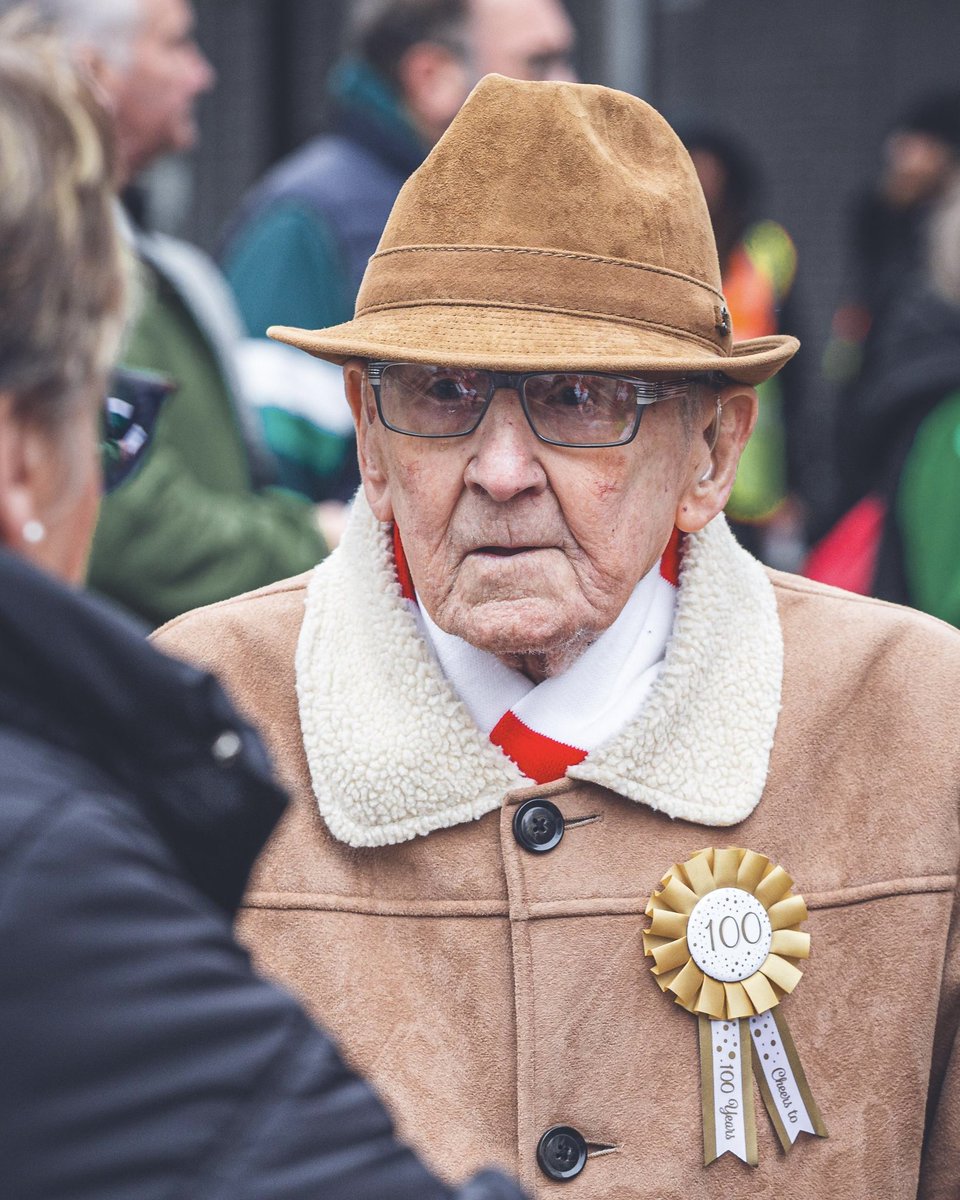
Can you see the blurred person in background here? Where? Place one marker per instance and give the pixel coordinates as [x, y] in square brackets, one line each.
[758, 263]
[921, 159]
[201, 521]
[300, 244]
[899, 429]
[297, 250]
[891, 359]
[141, 1055]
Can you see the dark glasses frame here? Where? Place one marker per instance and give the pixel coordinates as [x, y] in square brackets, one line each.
[646, 392]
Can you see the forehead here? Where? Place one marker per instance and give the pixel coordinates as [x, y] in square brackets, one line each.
[525, 26]
[166, 18]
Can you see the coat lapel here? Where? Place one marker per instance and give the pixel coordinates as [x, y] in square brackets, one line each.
[701, 747]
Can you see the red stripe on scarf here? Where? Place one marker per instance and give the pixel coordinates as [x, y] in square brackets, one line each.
[670, 562]
[540, 758]
[404, 577]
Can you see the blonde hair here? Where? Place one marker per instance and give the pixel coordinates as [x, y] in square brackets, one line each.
[62, 272]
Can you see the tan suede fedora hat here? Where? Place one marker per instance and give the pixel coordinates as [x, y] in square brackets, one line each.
[555, 226]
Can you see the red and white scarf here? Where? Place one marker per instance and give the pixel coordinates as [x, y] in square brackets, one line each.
[550, 726]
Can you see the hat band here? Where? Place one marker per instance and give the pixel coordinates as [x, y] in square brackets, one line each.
[546, 280]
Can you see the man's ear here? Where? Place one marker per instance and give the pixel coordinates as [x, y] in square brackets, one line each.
[721, 434]
[434, 82]
[369, 438]
[101, 74]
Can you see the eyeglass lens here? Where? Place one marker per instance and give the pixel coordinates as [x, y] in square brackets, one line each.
[570, 409]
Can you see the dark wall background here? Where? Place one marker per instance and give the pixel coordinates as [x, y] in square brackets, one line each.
[810, 85]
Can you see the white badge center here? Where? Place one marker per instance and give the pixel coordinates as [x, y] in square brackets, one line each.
[729, 934]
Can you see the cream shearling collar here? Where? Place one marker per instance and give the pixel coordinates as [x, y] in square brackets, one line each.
[393, 752]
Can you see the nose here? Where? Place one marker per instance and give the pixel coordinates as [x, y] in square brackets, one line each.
[506, 453]
[204, 73]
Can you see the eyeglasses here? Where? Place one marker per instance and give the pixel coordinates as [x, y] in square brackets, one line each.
[563, 408]
[129, 414]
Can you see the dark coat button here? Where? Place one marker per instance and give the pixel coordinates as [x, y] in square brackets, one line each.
[562, 1153]
[538, 826]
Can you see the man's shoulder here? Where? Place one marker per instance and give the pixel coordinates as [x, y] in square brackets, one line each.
[821, 601]
[328, 171]
[242, 635]
[836, 631]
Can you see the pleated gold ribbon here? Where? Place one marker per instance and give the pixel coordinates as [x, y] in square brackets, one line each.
[740, 960]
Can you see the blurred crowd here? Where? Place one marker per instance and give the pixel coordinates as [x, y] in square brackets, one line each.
[851, 475]
[253, 458]
[887, 524]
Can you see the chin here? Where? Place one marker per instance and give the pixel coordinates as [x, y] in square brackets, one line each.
[511, 628]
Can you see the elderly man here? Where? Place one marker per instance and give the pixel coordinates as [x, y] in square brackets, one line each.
[539, 695]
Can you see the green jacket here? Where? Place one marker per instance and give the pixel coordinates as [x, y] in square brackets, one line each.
[928, 513]
[192, 527]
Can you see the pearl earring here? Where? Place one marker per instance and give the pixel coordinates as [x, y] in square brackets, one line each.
[34, 532]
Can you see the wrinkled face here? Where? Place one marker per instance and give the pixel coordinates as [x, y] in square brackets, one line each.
[526, 549]
[523, 39]
[154, 95]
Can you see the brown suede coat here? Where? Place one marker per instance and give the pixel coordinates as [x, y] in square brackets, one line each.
[490, 993]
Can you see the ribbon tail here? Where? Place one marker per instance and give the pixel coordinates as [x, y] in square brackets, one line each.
[726, 1091]
[783, 1084]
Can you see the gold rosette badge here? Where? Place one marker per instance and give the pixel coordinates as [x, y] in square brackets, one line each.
[726, 942]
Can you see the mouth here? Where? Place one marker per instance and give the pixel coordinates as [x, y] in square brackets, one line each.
[506, 551]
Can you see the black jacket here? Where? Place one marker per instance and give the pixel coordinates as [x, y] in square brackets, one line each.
[140, 1056]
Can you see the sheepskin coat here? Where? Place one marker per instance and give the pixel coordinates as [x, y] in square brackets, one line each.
[491, 993]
